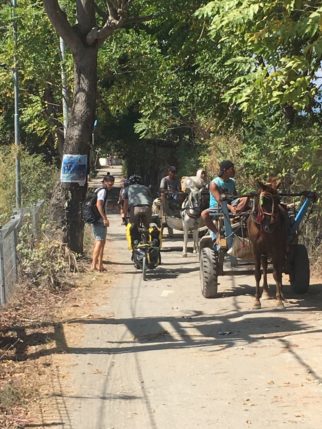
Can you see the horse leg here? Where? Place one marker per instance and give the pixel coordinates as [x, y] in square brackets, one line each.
[258, 279]
[277, 274]
[195, 235]
[265, 284]
[185, 238]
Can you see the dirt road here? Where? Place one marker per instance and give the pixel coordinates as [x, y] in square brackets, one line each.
[157, 355]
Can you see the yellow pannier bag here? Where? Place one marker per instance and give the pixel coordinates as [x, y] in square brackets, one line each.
[128, 236]
[155, 236]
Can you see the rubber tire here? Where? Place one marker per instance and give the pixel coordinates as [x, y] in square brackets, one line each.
[144, 267]
[300, 270]
[208, 272]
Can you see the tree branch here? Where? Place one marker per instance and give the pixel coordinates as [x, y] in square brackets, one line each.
[133, 20]
[59, 21]
[112, 9]
[85, 15]
[117, 14]
[117, 18]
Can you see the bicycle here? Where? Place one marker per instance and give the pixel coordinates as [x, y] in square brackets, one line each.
[145, 245]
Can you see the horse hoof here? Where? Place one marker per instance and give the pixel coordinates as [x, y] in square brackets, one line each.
[257, 305]
[280, 304]
[184, 255]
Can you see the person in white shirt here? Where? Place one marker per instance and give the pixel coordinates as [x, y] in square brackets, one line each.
[100, 227]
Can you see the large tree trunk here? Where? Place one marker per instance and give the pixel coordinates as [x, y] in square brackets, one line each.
[83, 40]
[78, 138]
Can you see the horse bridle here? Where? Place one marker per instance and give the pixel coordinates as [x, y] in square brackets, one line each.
[261, 213]
[193, 208]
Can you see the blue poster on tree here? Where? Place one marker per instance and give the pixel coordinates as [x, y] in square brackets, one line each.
[74, 169]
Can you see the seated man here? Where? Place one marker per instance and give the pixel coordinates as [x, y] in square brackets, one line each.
[169, 189]
[223, 184]
[137, 203]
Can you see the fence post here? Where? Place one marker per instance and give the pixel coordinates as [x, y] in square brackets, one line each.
[2, 273]
[15, 238]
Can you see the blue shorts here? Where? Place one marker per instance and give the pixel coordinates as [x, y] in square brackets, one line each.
[99, 231]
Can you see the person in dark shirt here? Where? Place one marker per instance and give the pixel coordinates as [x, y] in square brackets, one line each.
[170, 185]
[169, 193]
[138, 201]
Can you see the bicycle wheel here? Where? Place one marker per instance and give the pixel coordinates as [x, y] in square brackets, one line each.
[144, 268]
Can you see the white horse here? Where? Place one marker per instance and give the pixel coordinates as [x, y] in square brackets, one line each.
[191, 220]
[194, 182]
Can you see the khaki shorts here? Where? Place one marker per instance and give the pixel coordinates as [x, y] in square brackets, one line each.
[141, 214]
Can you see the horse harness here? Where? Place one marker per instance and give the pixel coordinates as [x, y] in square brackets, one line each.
[259, 212]
[192, 209]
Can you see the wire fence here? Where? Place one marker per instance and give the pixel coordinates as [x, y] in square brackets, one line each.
[9, 238]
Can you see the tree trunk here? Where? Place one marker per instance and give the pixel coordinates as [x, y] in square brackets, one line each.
[78, 138]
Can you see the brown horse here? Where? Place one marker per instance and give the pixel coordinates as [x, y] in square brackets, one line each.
[268, 231]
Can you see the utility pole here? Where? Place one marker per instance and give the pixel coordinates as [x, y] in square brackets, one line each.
[16, 106]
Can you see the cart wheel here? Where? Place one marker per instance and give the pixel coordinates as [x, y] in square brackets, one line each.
[208, 272]
[300, 269]
[144, 267]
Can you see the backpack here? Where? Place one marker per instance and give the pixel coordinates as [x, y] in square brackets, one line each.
[90, 213]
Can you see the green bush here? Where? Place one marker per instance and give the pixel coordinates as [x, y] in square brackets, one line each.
[37, 179]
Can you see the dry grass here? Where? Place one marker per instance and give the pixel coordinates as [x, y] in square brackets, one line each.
[30, 334]
[25, 329]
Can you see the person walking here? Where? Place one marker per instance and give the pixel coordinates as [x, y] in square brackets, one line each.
[100, 227]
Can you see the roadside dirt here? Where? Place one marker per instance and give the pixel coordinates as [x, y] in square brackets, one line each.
[31, 332]
[265, 354]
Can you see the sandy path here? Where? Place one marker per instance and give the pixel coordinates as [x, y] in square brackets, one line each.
[157, 355]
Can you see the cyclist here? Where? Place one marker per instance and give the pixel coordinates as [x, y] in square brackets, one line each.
[137, 202]
[120, 202]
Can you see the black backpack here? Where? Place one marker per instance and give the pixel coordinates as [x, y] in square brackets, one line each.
[90, 213]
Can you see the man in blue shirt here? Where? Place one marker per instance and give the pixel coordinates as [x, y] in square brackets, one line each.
[222, 184]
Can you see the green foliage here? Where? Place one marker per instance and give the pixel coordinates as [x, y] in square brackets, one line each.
[37, 180]
[274, 52]
[295, 153]
[38, 65]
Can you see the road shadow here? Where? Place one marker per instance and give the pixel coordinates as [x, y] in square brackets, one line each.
[161, 273]
[192, 330]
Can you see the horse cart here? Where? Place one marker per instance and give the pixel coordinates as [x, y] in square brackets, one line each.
[212, 255]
